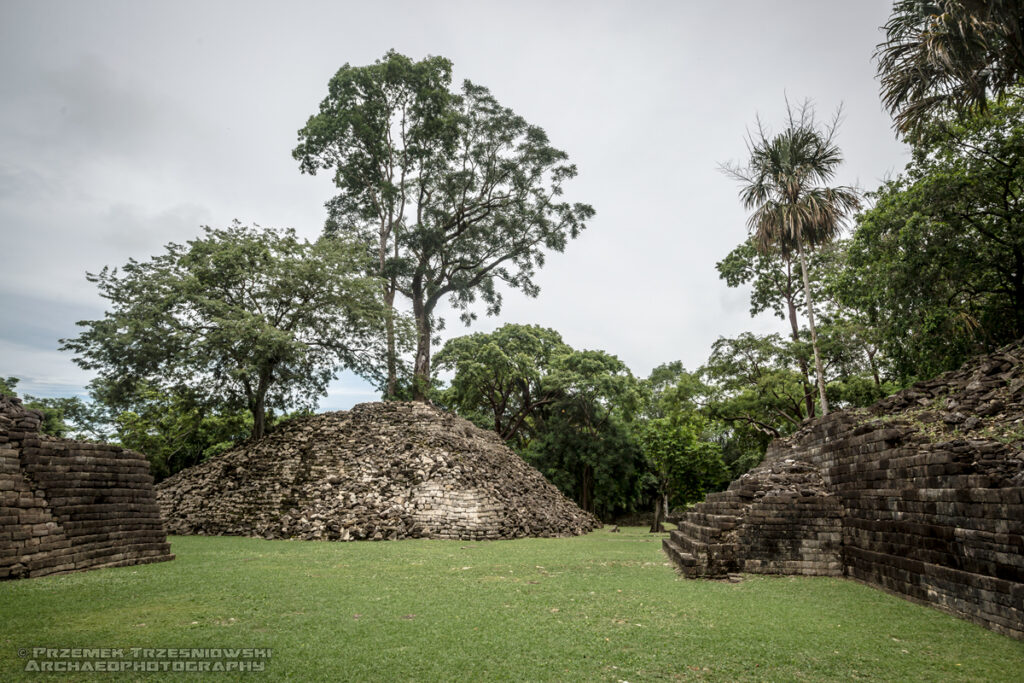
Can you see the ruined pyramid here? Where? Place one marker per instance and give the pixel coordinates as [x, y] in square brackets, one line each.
[379, 471]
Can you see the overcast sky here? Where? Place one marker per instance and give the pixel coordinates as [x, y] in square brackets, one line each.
[127, 125]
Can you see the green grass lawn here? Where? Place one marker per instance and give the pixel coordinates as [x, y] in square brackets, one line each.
[604, 607]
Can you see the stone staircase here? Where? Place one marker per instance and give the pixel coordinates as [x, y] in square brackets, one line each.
[922, 494]
[777, 518]
[705, 545]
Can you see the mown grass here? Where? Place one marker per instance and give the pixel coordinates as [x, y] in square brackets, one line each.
[604, 607]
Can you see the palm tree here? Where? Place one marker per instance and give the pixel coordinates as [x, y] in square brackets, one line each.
[792, 211]
[948, 55]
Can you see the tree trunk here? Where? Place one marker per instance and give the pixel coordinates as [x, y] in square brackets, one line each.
[657, 526]
[391, 388]
[874, 367]
[808, 392]
[421, 369]
[814, 333]
[259, 417]
[587, 489]
[258, 403]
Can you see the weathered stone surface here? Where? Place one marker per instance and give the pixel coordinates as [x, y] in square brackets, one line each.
[381, 471]
[920, 495]
[69, 506]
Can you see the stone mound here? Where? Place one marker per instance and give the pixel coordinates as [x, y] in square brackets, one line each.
[922, 494]
[69, 506]
[379, 471]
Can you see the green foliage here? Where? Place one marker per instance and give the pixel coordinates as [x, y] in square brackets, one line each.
[686, 465]
[936, 266]
[567, 412]
[755, 381]
[239, 319]
[62, 417]
[595, 385]
[775, 286]
[7, 386]
[379, 129]
[943, 56]
[606, 440]
[175, 431]
[677, 439]
[70, 417]
[582, 440]
[600, 466]
[783, 185]
[502, 378]
[462, 192]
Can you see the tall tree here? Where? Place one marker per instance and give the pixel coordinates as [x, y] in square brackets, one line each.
[598, 388]
[792, 211]
[381, 129]
[948, 55]
[479, 209]
[565, 411]
[242, 318]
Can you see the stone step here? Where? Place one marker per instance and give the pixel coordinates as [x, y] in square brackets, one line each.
[699, 532]
[687, 564]
[689, 545]
[710, 519]
[731, 505]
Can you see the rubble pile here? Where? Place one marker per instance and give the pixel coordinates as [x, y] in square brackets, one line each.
[381, 471]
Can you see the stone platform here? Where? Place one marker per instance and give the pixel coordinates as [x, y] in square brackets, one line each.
[70, 506]
[921, 495]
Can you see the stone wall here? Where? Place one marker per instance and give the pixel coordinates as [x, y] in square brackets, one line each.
[69, 506]
[922, 495]
[779, 518]
[381, 471]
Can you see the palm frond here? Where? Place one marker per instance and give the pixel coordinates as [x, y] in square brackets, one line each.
[948, 55]
[782, 184]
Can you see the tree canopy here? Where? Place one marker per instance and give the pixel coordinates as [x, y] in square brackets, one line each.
[937, 264]
[678, 440]
[943, 56]
[504, 376]
[380, 129]
[244, 318]
[473, 203]
[582, 441]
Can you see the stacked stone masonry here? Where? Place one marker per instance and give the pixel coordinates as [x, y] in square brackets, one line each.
[69, 506]
[381, 471]
[921, 495]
